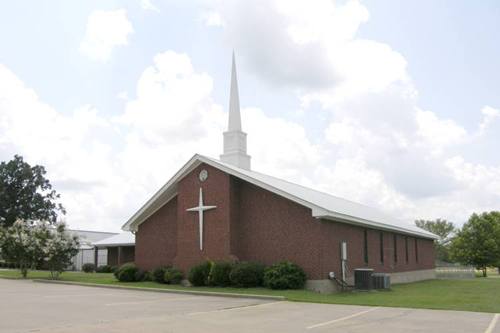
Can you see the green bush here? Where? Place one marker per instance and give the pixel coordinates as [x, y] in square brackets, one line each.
[173, 276]
[148, 276]
[88, 268]
[219, 274]
[104, 269]
[159, 273]
[284, 275]
[140, 275]
[247, 274]
[198, 275]
[127, 273]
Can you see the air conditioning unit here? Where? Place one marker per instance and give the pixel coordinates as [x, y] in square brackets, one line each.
[381, 281]
[363, 278]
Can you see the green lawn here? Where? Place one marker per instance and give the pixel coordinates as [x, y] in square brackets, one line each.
[480, 294]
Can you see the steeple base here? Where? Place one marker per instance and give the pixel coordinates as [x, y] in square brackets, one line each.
[237, 159]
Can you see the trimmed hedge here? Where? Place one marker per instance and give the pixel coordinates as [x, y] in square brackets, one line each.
[173, 276]
[128, 273]
[88, 268]
[247, 274]
[284, 275]
[219, 274]
[198, 275]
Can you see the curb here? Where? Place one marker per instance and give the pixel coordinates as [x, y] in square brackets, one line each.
[169, 291]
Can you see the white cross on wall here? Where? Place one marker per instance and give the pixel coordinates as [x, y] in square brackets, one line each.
[200, 209]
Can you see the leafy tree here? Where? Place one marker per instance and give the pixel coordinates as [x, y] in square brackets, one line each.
[478, 242]
[444, 230]
[23, 244]
[26, 194]
[59, 249]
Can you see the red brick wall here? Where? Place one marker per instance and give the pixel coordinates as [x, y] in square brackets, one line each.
[156, 239]
[217, 227]
[273, 228]
[253, 224]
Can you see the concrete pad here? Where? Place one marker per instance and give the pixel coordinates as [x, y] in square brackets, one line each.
[34, 307]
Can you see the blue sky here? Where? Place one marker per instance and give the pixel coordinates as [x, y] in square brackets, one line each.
[451, 47]
[393, 104]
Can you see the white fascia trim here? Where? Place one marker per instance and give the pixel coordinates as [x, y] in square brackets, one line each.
[138, 218]
[362, 222]
[134, 226]
[317, 211]
[133, 220]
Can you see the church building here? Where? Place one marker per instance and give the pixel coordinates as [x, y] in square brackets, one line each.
[223, 210]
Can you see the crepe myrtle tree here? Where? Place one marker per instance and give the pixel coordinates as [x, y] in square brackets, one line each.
[26, 194]
[27, 244]
[23, 244]
[60, 248]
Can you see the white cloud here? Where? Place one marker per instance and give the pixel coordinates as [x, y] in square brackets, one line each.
[105, 31]
[212, 19]
[148, 5]
[378, 146]
[438, 133]
[489, 116]
[71, 147]
[377, 137]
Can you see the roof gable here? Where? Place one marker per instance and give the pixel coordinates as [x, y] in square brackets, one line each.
[323, 205]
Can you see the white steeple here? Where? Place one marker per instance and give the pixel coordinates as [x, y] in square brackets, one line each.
[235, 140]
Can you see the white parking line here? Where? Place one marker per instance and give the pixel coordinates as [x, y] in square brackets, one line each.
[77, 295]
[150, 301]
[243, 307]
[341, 319]
[492, 324]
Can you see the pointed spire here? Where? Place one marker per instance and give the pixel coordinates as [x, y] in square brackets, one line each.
[234, 102]
[235, 140]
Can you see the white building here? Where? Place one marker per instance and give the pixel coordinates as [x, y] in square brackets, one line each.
[86, 253]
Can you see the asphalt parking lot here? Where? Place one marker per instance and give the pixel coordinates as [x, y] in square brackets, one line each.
[28, 306]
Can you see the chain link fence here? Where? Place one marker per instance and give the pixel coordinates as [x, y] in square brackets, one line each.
[454, 271]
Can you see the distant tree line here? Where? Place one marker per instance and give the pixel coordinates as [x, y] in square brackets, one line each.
[477, 243]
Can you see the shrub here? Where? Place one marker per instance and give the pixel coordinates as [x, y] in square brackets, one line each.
[159, 273]
[247, 274]
[219, 274]
[198, 275]
[88, 267]
[148, 276]
[140, 275]
[284, 275]
[127, 272]
[103, 269]
[173, 276]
